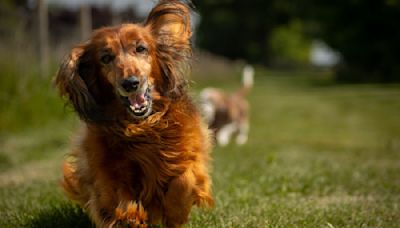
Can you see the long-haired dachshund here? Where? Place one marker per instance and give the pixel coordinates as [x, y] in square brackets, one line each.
[143, 152]
[228, 114]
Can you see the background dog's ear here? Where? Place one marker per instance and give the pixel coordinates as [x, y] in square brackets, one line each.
[72, 84]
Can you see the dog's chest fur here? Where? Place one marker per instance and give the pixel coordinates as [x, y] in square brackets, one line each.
[147, 157]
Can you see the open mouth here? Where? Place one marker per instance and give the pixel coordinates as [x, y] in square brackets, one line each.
[138, 103]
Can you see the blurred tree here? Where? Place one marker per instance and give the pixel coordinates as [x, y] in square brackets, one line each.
[290, 47]
[365, 32]
[241, 29]
[8, 18]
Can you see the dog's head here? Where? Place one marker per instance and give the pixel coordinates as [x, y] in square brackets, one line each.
[122, 67]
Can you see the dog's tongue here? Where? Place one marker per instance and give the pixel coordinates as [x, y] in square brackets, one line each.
[137, 100]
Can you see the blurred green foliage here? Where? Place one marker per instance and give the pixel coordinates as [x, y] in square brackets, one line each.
[289, 45]
[27, 99]
[240, 29]
[365, 33]
[9, 19]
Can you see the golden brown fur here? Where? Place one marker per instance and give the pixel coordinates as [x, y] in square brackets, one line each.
[126, 170]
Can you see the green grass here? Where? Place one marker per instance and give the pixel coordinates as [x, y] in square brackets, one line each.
[27, 98]
[319, 155]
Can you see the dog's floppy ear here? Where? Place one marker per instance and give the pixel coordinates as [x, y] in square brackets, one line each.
[169, 23]
[72, 84]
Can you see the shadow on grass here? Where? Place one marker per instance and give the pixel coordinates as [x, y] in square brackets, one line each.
[65, 215]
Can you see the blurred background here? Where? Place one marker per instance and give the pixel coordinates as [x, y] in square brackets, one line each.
[351, 41]
[324, 144]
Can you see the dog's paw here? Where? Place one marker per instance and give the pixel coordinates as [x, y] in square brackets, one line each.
[136, 215]
[131, 215]
[241, 139]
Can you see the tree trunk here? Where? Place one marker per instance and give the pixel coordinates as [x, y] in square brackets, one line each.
[43, 37]
[86, 21]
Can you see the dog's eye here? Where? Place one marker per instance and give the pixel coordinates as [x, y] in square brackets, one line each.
[107, 58]
[141, 49]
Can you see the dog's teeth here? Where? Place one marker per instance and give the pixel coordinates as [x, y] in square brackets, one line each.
[141, 109]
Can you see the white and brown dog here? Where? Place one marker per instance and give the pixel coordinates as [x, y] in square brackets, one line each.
[228, 114]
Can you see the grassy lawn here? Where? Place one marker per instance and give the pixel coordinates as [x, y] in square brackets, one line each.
[319, 155]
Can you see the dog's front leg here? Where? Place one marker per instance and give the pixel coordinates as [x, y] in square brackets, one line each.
[112, 206]
[131, 214]
[128, 213]
[179, 200]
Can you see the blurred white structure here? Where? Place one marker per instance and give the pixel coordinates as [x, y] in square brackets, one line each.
[322, 55]
[142, 7]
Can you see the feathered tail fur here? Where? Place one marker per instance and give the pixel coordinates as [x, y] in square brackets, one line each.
[247, 80]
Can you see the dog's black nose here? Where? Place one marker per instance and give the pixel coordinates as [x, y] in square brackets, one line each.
[130, 84]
